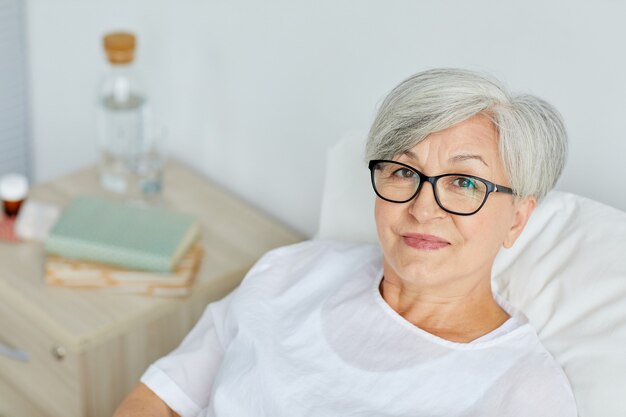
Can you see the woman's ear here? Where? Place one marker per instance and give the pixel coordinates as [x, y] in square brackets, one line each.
[523, 209]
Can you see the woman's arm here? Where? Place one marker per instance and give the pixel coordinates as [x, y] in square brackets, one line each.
[142, 402]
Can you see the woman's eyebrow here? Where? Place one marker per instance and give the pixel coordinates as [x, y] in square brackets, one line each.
[467, 156]
[410, 155]
[455, 158]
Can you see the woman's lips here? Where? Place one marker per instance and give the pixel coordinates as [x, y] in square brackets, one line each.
[424, 242]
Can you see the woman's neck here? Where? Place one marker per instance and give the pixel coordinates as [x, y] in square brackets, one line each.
[460, 317]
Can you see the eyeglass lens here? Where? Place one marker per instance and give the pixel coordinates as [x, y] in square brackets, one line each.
[458, 193]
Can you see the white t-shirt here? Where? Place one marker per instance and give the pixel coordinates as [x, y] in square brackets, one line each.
[307, 333]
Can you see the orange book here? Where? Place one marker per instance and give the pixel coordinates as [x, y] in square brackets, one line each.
[66, 272]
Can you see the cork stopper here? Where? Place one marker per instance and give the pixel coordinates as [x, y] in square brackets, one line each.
[120, 47]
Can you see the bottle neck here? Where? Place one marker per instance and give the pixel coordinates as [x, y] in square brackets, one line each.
[122, 68]
[120, 83]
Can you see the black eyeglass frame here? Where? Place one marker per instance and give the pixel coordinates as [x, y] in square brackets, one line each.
[491, 187]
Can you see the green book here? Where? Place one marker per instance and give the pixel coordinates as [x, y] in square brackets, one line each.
[99, 230]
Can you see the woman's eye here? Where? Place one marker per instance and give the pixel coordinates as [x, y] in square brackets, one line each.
[404, 173]
[464, 182]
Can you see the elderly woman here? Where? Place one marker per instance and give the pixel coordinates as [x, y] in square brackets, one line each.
[407, 327]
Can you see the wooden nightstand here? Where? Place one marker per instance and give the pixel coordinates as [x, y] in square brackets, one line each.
[86, 348]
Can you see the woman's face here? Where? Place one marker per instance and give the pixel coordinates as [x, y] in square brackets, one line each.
[472, 241]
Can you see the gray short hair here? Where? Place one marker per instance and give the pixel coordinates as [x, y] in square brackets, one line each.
[532, 135]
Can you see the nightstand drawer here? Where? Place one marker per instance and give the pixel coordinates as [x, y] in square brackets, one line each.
[13, 404]
[36, 366]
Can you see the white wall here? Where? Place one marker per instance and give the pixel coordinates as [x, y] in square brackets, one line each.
[254, 92]
[13, 111]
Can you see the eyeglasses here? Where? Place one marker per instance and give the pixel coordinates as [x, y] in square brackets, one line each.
[455, 193]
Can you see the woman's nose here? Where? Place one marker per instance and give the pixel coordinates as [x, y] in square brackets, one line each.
[424, 206]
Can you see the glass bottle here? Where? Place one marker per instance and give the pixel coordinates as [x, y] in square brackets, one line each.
[121, 115]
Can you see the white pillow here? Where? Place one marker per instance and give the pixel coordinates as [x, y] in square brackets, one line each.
[347, 211]
[566, 272]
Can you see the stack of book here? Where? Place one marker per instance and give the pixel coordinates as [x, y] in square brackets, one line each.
[113, 246]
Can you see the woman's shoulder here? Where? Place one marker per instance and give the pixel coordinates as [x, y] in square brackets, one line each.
[314, 265]
[320, 252]
[541, 383]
